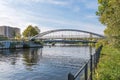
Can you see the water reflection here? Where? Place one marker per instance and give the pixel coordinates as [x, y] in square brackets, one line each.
[42, 64]
[8, 55]
[32, 56]
[28, 56]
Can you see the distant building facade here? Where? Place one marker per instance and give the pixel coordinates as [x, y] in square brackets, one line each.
[9, 32]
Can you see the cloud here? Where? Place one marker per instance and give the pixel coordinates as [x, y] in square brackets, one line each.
[72, 24]
[90, 16]
[45, 28]
[54, 2]
[90, 4]
[13, 16]
[57, 2]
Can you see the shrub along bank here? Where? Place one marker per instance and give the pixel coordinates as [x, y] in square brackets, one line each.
[109, 64]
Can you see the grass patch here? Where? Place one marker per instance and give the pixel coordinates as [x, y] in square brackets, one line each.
[109, 65]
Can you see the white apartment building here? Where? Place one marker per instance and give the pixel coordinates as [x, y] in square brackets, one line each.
[9, 32]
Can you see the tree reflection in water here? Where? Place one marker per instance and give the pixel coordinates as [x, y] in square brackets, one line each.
[32, 56]
[10, 56]
[28, 56]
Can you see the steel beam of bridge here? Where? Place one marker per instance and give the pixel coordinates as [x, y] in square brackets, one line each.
[60, 30]
[66, 37]
[78, 36]
[69, 41]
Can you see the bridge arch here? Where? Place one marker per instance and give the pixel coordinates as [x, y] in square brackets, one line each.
[40, 35]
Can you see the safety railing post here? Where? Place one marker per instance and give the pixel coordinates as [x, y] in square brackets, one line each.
[86, 72]
[91, 67]
[94, 59]
[70, 76]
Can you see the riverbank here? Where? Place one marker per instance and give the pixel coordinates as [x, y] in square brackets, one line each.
[109, 65]
[18, 44]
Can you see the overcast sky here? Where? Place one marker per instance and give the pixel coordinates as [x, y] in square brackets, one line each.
[51, 14]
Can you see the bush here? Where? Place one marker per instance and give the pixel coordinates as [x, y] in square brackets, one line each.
[109, 65]
[102, 42]
[38, 42]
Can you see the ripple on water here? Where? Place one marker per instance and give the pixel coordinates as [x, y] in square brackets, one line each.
[36, 64]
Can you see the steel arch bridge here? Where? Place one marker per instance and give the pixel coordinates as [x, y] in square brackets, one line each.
[70, 35]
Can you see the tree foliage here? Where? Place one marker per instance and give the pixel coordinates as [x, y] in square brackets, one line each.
[109, 15]
[37, 29]
[31, 31]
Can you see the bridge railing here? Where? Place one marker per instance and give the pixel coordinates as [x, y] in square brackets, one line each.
[86, 71]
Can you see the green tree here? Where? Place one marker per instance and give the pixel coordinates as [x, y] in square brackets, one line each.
[109, 15]
[30, 31]
[18, 36]
[37, 29]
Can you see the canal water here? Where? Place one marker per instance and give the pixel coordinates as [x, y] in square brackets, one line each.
[48, 63]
